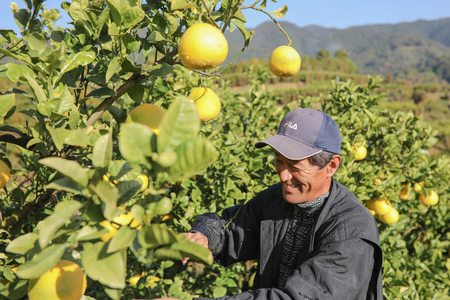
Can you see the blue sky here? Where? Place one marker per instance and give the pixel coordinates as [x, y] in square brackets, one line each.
[335, 14]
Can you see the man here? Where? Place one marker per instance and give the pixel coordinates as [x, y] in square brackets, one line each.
[312, 237]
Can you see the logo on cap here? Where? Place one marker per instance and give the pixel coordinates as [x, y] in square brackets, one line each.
[290, 125]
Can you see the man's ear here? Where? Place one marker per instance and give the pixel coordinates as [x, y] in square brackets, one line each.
[334, 164]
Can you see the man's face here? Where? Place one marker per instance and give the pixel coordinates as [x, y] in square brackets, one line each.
[301, 180]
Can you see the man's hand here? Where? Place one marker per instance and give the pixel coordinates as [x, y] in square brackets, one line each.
[197, 238]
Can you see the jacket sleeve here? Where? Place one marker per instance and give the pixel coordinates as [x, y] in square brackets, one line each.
[340, 270]
[235, 235]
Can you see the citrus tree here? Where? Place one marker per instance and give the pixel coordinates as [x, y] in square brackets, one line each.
[94, 178]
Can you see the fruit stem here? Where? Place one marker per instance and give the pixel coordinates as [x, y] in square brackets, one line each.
[273, 19]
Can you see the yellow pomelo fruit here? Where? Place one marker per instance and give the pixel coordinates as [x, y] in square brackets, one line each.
[382, 206]
[166, 218]
[65, 281]
[207, 102]
[418, 187]
[202, 47]
[136, 224]
[147, 114]
[360, 153]
[5, 173]
[404, 193]
[134, 279]
[432, 199]
[123, 219]
[284, 61]
[112, 230]
[391, 217]
[151, 280]
[143, 179]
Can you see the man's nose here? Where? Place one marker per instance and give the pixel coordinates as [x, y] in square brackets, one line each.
[285, 174]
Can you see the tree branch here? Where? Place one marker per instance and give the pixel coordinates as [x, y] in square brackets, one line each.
[43, 198]
[135, 79]
[15, 137]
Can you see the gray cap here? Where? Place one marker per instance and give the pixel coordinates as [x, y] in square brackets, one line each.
[304, 132]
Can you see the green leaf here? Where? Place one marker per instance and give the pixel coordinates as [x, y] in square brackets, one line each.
[78, 138]
[15, 290]
[370, 114]
[63, 100]
[116, 7]
[122, 239]
[131, 16]
[180, 4]
[22, 17]
[68, 168]
[102, 152]
[103, 92]
[194, 251]
[130, 42]
[89, 233]
[107, 193]
[248, 35]
[6, 103]
[37, 89]
[15, 71]
[127, 190]
[58, 135]
[219, 291]
[41, 262]
[112, 67]
[107, 268]
[65, 184]
[135, 143]
[155, 36]
[21, 57]
[156, 235]
[74, 60]
[193, 156]
[23, 243]
[162, 69]
[50, 225]
[77, 9]
[181, 123]
[36, 42]
[281, 12]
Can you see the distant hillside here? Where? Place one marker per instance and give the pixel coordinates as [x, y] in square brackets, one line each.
[398, 49]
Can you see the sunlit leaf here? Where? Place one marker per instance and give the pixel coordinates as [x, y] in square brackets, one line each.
[281, 12]
[68, 168]
[23, 243]
[102, 152]
[122, 239]
[193, 156]
[107, 268]
[180, 124]
[51, 224]
[6, 103]
[41, 262]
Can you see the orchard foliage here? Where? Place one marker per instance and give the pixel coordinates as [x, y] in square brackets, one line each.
[79, 160]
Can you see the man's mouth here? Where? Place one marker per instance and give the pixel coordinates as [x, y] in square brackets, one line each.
[290, 185]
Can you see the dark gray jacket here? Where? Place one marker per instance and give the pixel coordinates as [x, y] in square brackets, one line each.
[341, 259]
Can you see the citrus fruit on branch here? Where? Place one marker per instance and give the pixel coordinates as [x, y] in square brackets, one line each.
[202, 47]
[360, 153]
[391, 217]
[147, 114]
[5, 172]
[65, 281]
[207, 102]
[284, 61]
[432, 199]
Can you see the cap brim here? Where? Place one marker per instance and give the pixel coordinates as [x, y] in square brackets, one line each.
[288, 147]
